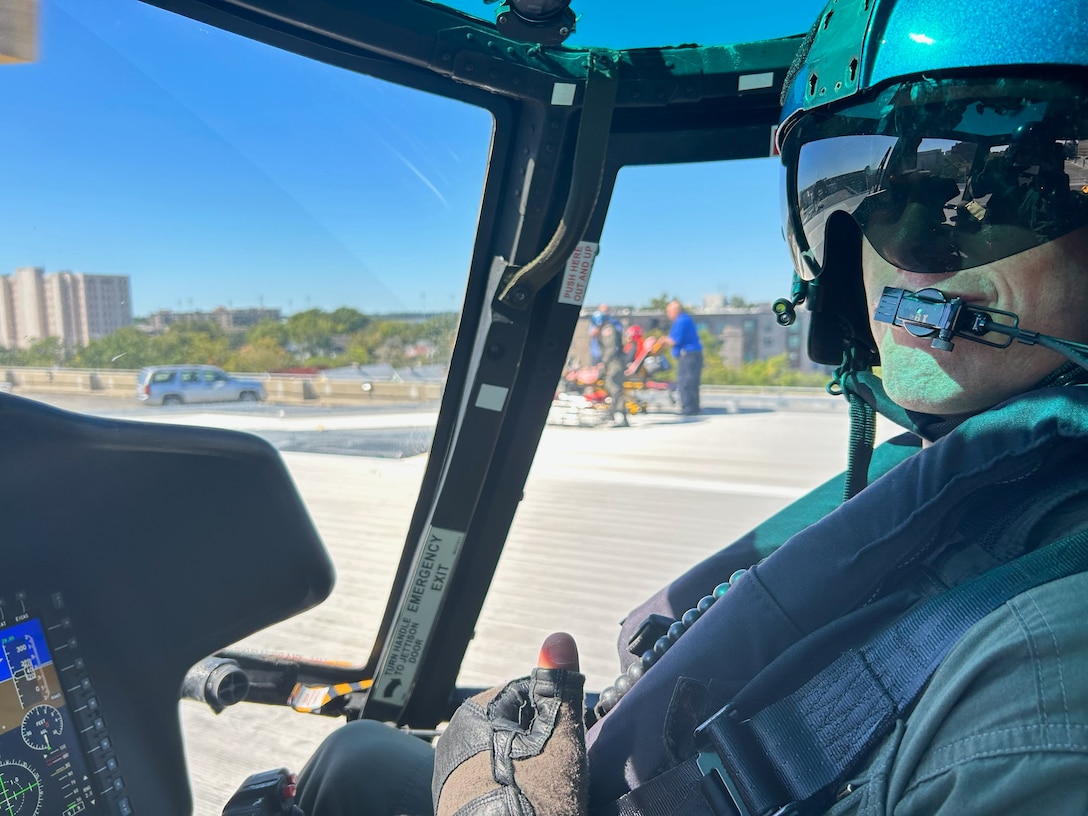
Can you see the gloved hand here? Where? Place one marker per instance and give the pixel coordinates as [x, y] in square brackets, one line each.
[518, 749]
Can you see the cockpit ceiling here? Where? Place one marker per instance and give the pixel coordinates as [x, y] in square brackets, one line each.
[646, 24]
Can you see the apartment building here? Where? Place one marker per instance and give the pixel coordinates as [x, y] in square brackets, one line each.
[229, 320]
[72, 306]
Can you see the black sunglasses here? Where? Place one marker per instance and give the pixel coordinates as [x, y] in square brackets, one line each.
[940, 174]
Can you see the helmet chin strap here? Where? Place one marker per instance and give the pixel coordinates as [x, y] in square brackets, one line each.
[850, 381]
[864, 390]
[927, 313]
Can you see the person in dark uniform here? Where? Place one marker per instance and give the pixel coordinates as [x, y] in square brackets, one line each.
[609, 336]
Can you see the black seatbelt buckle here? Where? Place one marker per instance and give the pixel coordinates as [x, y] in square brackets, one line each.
[720, 789]
[722, 794]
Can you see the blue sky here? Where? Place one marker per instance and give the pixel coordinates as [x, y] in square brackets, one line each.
[218, 171]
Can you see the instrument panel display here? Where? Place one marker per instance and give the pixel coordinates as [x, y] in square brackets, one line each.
[43, 768]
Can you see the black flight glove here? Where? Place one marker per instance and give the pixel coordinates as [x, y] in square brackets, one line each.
[518, 749]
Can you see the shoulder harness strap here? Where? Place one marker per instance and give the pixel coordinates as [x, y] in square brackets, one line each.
[789, 758]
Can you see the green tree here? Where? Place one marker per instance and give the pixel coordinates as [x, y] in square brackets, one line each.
[383, 341]
[311, 332]
[358, 348]
[346, 320]
[264, 354]
[313, 337]
[198, 342]
[12, 357]
[49, 351]
[267, 330]
[127, 347]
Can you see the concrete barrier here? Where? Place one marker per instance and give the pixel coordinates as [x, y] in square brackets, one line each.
[56, 381]
[70, 381]
[291, 390]
[116, 383]
[279, 389]
[353, 391]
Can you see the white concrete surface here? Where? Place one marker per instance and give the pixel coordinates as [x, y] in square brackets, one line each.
[621, 510]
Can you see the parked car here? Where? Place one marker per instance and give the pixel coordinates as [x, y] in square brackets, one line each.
[176, 384]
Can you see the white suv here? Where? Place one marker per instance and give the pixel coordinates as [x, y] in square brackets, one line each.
[175, 384]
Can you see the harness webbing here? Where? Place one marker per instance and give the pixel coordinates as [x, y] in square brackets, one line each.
[791, 756]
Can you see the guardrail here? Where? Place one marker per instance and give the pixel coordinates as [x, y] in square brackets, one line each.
[279, 387]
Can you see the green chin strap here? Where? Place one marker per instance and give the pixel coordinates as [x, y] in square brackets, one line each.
[864, 391]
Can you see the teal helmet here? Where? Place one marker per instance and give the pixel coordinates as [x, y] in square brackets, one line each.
[947, 135]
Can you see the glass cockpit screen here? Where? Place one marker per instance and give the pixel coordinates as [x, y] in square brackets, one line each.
[43, 771]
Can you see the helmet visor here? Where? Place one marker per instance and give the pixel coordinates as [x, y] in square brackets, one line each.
[940, 175]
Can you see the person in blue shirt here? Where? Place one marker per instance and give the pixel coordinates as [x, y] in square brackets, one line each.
[688, 351]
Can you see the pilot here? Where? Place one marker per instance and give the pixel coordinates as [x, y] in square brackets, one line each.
[909, 638]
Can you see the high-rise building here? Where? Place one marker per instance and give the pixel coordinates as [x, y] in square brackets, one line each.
[7, 314]
[71, 306]
[29, 303]
[18, 31]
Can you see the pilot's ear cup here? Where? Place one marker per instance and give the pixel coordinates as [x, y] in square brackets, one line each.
[836, 298]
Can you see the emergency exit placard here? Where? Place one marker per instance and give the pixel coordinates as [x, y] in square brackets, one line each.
[416, 617]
